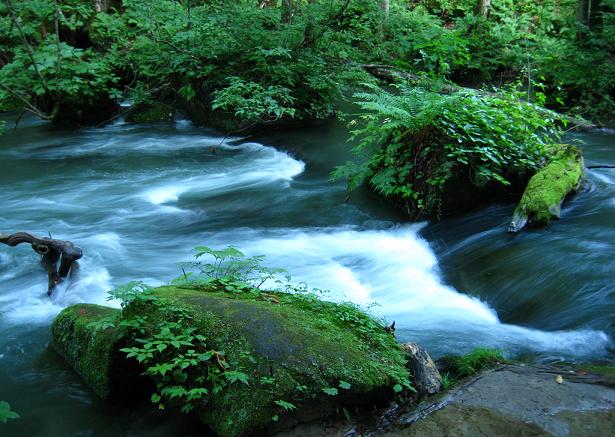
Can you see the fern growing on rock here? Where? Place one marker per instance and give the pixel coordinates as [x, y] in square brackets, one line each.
[425, 150]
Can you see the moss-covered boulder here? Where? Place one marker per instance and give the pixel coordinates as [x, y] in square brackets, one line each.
[85, 336]
[290, 357]
[542, 200]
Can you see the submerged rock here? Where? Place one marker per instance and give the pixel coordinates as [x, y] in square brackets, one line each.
[85, 336]
[542, 200]
[303, 358]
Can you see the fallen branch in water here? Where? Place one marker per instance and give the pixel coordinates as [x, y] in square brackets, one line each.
[51, 251]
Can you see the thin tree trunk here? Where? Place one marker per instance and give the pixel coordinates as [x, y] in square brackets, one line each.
[287, 11]
[385, 5]
[589, 14]
[482, 7]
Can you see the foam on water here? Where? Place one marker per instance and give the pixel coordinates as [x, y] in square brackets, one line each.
[29, 303]
[266, 165]
[396, 269]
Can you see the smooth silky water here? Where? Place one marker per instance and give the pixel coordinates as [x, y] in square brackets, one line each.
[137, 199]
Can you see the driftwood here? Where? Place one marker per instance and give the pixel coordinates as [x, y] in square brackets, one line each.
[391, 74]
[51, 252]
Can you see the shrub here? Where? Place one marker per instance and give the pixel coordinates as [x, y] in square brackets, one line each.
[415, 142]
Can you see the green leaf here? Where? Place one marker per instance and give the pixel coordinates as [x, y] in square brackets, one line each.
[287, 406]
[331, 391]
[233, 376]
[345, 385]
[6, 413]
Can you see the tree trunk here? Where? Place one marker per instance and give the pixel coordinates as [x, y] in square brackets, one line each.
[287, 11]
[482, 7]
[385, 5]
[589, 14]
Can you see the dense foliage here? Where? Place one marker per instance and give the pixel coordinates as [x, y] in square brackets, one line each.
[415, 143]
[271, 61]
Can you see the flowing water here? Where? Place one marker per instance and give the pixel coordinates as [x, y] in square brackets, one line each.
[137, 199]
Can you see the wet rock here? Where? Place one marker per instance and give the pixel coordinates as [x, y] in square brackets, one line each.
[516, 401]
[542, 199]
[318, 356]
[86, 337]
[425, 375]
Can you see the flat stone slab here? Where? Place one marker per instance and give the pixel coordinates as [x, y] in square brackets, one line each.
[518, 401]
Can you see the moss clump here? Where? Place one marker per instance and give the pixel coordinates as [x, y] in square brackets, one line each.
[90, 350]
[467, 365]
[598, 369]
[150, 113]
[547, 189]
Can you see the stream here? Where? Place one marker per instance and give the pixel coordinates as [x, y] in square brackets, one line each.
[138, 198]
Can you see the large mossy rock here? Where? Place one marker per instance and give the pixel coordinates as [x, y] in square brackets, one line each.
[83, 334]
[542, 199]
[315, 355]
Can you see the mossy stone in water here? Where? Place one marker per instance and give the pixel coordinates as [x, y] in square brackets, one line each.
[547, 189]
[301, 343]
[91, 351]
[296, 349]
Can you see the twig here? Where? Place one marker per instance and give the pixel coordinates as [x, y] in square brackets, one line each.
[30, 107]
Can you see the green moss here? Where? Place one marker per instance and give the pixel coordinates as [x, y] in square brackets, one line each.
[547, 189]
[598, 369]
[150, 113]
[476, 361]
[291, 347]
[90, 350]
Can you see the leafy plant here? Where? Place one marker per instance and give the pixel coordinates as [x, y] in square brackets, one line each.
[252, 102]
[229, 270]
[477, 360]
[447, 381]
[412, 143]
[6, 413]
[173, 355]
[331, 391]
[287, 406]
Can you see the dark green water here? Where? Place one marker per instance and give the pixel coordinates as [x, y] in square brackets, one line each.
[138, 198]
